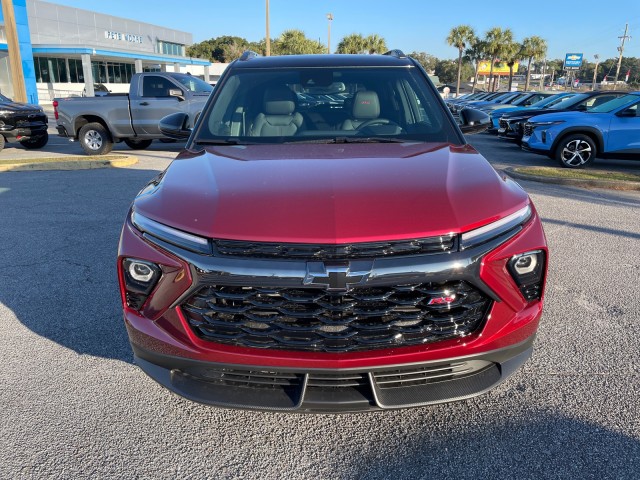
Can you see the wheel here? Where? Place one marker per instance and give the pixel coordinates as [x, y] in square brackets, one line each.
[575, 151]
[374, 121]
[137, 144]
[2, 142]
[35, 142]
[95, 139]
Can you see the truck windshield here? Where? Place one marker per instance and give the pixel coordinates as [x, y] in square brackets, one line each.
[194, 84]
[326, 104]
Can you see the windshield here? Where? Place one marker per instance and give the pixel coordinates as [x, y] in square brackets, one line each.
[194, 84]
[552, 100]
[569, 102]
[325, 105]
[611, 105]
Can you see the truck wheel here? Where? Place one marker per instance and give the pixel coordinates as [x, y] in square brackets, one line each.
[95, 139]
[35, 142]
[575, 151]
[2, 142]
[137, 144]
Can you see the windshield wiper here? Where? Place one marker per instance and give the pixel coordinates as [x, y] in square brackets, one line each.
[219, 142]
[353, 139]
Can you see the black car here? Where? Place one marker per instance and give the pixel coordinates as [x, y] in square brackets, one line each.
[24, 123]
[511, 124]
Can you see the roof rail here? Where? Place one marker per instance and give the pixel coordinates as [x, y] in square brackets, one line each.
[396, 53]
[248, 55]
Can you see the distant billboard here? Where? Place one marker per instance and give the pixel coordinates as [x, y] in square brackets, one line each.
[499, 68]
[572, 61]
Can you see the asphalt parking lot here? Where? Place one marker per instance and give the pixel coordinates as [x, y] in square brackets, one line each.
[75, 406]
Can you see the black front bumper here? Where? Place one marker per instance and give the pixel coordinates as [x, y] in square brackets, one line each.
[13, 134]
[337, 390]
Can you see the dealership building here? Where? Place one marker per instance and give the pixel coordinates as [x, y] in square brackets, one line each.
[65, 51]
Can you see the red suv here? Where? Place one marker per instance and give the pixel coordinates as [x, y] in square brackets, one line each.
[328, 241]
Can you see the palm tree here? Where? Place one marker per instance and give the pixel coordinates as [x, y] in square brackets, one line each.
[375, 44]
[474, 54]
[459, 37]
[533, 48]
[354, 43]
[495, 40]
[511, 54]
[294, 42]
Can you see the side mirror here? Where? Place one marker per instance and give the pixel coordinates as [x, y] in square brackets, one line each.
[473, 121]
[581, 108]
[627, 113]
[176, 92]
[175, 126]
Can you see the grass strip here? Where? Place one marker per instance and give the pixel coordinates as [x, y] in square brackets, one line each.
[20, 161]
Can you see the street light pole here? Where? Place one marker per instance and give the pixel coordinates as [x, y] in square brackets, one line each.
[329, 18]
[268, 39]
[595, 72]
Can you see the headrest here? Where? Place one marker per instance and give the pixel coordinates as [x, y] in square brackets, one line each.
[366, 105]
[279, 101]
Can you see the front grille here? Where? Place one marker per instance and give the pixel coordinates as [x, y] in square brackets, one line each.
[528, 130]
[422, 375]
[312, 319]
[240, 248]
[504, 124]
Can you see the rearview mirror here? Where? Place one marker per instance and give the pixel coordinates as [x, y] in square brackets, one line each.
[473, 121]
[175, 126]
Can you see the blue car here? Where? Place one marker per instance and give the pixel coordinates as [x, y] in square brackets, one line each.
[575, 139]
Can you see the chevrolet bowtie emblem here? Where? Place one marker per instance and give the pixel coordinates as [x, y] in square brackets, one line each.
[337, 276]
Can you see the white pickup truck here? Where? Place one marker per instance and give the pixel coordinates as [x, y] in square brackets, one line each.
[99, 122]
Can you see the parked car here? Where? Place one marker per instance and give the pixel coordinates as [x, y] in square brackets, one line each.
[512, 124]
[22, 122]
[548, 101]
[99, 122]
[575, 139]
[358, 257]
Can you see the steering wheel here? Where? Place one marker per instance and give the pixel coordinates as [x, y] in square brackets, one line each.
[375, 121]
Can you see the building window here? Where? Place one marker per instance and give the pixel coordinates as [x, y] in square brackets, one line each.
[169, 48]
[109, 72]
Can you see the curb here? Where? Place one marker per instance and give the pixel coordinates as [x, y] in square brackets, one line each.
[575, 182]
[79, 164]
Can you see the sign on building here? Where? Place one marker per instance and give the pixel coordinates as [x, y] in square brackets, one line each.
[499, 68]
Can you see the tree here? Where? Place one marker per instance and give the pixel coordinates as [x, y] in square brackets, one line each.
[495, 40]
[295, 42]
[533, 48]
[375, 44]
[427, 61]
[460, 37]
[511, 54]
[223, 49]
[354, 43]
[474, 54]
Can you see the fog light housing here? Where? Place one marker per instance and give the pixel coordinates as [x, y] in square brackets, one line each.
[527, 269]
[140, 277]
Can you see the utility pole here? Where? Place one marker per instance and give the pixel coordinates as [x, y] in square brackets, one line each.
[268, 39]
[15, 60]
[621, 49]
[595, 72]
[329, 19]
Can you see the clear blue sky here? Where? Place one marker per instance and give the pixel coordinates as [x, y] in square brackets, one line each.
[586, 26]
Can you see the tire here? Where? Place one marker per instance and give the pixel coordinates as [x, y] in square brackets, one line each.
[95, 139]
[575, 151]
[35, 142]
[137, 144]
[2, 142]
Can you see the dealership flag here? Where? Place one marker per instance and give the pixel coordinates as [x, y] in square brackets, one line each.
[626, 79]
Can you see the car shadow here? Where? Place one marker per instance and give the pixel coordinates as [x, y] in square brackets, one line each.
[59, 246]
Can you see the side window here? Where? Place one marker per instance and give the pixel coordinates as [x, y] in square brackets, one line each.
[595, 101]
[153, 86]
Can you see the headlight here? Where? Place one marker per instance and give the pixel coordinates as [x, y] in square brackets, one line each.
[171, 235]
[545, 124]
[495, 229]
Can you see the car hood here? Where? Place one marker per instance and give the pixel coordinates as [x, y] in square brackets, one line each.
[564, 116]
[18, 107]
[335, 193]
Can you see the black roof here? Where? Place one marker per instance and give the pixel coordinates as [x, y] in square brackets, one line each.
[333, 60]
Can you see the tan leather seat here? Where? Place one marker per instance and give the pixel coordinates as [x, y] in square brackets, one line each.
[279, 118]
[366, 106]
